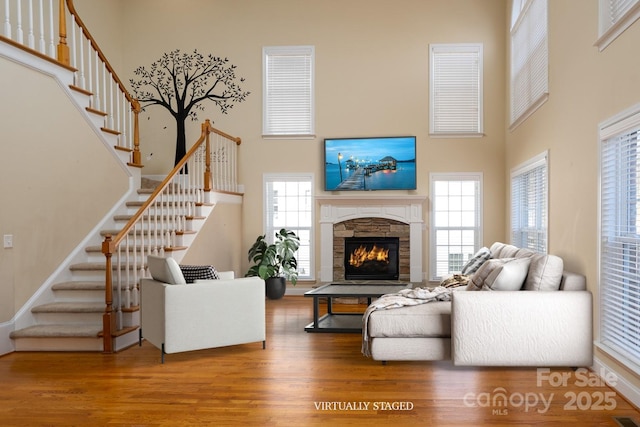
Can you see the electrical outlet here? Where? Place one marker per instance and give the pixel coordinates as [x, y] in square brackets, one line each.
[8, 241]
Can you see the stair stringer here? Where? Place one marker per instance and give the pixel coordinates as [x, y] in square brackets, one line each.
[24, 317]
[64, 78]
[47, 295]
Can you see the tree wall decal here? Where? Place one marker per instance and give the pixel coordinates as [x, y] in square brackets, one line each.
[181, 82]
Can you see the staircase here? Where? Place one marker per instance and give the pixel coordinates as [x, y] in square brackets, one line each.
[92, 303]
[73, 320]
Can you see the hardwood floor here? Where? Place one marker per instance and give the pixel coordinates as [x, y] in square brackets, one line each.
[300, 379]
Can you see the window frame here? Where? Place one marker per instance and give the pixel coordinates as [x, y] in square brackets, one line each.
[433, 229]
[619, 279]
[268, 224]
[529, 63]
[304, 99]
[458, 107]
[611, 27]
[521, 209]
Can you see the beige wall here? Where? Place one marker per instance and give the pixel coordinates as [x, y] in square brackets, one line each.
[585, 88]
[371, 80]
[218, 243]
[57, 180]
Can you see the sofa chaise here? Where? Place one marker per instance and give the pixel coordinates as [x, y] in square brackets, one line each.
[177, 316]
[547, 323]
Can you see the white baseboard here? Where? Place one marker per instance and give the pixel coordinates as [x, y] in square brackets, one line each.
[630, 391]
[6, 343]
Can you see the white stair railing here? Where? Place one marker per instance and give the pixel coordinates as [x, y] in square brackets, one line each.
[26, 21]
[160, 226]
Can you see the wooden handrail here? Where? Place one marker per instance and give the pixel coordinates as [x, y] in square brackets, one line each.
[64, 58]
[111, 243]
[95, 46]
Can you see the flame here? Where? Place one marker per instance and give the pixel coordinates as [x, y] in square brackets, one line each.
[361, 255]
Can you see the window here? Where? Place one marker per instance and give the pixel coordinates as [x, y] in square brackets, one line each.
[456, 221]
[529, 59]
[615, 16]
[619, 262]
[529, 200]
[289, 204]
[288, 91]
[455, 92]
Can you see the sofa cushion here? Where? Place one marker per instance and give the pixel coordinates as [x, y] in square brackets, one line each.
[476, 261]
[491, 274]
[432, 319]
[165, 270]
[503, 250]
[509, 276]
[545, 273]
[192, 273]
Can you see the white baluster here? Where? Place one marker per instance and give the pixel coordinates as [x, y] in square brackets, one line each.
[96, 91]
[42, 47]
[90, 83]
[52, 46]
[19, 34]
[74, 58]
[110, 117]
[31, 38]
[80, 65]
[7, 20]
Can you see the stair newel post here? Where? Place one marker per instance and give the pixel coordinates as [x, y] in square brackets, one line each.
[136, 133]
[207, 172]
[63, 48]
[108, 319]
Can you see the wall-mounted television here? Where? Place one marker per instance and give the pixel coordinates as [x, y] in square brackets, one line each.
[378, 163]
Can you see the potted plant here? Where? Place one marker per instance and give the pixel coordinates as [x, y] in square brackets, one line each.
[276, 262]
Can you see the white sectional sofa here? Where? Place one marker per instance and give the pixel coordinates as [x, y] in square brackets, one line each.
[547, 323]
[177, 316]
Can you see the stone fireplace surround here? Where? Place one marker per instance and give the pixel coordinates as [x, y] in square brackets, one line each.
[406, 209]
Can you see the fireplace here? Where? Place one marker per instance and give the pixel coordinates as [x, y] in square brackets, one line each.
[371, 258]
[404, 212]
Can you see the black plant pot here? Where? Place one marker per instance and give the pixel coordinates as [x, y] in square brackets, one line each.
[276, 287]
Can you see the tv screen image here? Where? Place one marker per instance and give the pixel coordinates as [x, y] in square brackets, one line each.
[379, 163]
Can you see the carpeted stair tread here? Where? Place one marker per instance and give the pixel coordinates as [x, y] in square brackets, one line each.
[70, 307]
[142, 232]
[100, 266]
[146, 218]
[69, 331]
[94, 249]
[79, 285]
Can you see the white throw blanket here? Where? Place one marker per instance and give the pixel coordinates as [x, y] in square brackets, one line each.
[401, 299]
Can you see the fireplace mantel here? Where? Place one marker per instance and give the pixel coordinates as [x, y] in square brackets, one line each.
[403, 208]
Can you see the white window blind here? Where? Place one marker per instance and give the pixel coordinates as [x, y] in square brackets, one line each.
[289, 204]
[615, 16]
[529, 200]
[456, 90]
[529, 61]
[456, 221]
[288, 91]
[620, 239]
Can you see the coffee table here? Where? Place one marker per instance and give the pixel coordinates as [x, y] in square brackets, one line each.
[345, 322]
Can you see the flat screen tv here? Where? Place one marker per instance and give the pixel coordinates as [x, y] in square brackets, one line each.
[379, 163]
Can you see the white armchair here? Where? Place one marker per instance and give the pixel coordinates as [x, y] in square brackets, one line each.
[177, 317]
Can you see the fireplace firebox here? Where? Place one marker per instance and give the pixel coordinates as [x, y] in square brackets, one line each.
[371, 258]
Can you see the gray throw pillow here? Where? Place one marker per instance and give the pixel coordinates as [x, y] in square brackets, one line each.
[476, 261]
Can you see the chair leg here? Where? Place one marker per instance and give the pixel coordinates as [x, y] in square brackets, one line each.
[162, 353]
[140, 337]
[264, 344]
